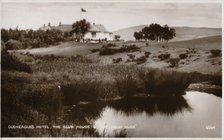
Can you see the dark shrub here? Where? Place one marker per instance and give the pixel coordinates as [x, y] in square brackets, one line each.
[12, 44]
[129, 48]
[107, 51]
[131, 56]
[124, 48]
[164, 56]
[147, 44]
[164, 46]
[215, 53]
[95, 50]
[183, 56]
[80, 90]
[174, 62]
[118, 60]
[191, 50]
[111, 45]
[141, 60]
[147, 54]
[9, 62]
[128, 60]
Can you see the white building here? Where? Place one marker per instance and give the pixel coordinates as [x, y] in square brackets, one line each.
[98, 32]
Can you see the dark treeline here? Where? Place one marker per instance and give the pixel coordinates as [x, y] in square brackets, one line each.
[155, 32]
[22, 39]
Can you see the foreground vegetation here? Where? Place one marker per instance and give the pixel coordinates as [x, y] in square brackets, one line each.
[38, 92]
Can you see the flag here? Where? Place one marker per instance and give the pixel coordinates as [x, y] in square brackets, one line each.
[83, 10]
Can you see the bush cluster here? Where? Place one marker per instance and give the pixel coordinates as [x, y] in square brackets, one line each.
[109, 45]
[183, 56]
[164, 56]
[215, 53]
[22, 39]
[174, 62]
[10, 62]
[117, 60]
[141, 60]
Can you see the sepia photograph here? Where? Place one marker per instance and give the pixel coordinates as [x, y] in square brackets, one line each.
[104, 69]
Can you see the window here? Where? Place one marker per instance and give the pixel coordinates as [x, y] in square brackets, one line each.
[93, 34]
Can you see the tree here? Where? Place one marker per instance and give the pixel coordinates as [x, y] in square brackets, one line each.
[168, 33]
[138, 35]
[117, 37]
[146, 32]
[80, 28]
[172, 33]
[156, 32]
[5, 36]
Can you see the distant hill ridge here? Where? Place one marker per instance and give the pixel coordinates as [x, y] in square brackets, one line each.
[182, 33]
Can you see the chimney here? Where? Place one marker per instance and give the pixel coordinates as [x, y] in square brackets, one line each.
[44, 25]
[49, 24]
[60, 23]
[93, 23]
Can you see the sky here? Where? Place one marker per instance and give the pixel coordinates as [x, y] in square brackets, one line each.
[113, 16]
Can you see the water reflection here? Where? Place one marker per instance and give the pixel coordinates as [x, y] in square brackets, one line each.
[167, 105]
[84, 113]
[87, 113]
[174, 116]
[170, 116]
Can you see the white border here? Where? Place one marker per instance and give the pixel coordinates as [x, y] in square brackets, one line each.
[125, 1]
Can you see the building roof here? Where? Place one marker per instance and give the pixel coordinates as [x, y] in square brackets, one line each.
[98, 28]
[68, 28]
[63, 27]
[44, 28]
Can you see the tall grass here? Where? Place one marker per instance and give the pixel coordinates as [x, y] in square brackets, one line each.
[127, 85]
[125, 78]
[160, 82]
[23, 104]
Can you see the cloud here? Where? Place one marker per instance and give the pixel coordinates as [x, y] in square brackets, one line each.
[113, 15]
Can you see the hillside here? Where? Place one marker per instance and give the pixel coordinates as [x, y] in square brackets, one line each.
[127, 33]
[72, 48]
[182, 33]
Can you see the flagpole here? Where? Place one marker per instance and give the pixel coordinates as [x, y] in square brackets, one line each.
[80, 14]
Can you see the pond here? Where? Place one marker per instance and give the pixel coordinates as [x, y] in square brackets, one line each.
[195, 114]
